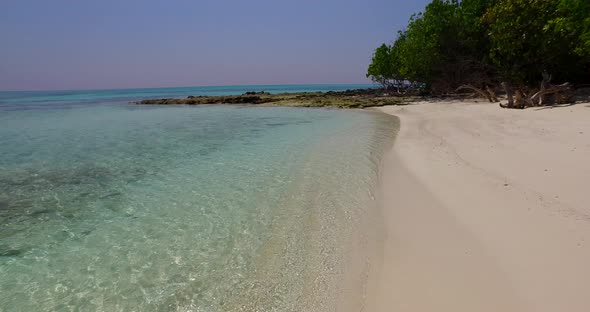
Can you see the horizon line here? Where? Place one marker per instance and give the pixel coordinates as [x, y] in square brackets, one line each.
[196, 86]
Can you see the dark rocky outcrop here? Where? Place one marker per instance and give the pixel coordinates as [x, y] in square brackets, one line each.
[344, 99]
[256, 93]
[195, 100]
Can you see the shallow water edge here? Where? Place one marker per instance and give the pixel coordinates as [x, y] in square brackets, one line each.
[184, 208]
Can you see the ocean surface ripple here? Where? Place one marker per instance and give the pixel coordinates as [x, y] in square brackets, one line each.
[114, 207]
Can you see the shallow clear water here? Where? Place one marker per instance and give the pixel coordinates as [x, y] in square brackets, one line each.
[117, 207]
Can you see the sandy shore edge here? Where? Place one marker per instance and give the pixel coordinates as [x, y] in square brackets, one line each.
[485, 210]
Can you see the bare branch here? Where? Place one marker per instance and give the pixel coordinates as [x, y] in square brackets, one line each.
[479, 91]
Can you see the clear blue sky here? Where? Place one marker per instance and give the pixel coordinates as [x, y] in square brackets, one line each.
[77, 44]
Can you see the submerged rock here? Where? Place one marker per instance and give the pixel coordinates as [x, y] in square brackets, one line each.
[8, 251]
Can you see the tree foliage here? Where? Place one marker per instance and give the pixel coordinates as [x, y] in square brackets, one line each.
[483, 42]
[381, 69]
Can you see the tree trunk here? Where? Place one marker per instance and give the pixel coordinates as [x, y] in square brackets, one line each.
[509, 95]
[519, 99]
[492, 94]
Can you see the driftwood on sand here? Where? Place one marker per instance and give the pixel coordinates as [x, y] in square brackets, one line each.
[521, 97]
[488, 93]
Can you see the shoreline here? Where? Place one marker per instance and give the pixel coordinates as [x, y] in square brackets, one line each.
[484, 210]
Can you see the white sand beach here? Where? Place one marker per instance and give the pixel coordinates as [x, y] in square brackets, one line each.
[486, 209]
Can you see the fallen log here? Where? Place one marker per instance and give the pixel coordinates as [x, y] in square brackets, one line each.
[519, 99]
[539, 96]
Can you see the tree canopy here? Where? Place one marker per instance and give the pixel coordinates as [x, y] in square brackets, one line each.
[484, 42]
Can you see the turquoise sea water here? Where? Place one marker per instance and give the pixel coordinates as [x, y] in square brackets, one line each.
[41, 98]
[107, 206]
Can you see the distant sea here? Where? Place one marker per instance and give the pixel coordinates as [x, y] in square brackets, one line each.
[108, 206]
[36, 99]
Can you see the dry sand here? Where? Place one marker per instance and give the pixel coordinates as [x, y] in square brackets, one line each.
[485, 209]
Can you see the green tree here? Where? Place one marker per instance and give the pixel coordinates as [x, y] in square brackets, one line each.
[572, 21]
[484, 42]
[445, 46]
[381, 70]
[570, 27]
[530, 37]
[420, 51]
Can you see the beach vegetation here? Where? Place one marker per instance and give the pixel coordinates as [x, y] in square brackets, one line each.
[490, 45]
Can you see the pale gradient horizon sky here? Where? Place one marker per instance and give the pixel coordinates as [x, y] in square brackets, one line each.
[67, 45]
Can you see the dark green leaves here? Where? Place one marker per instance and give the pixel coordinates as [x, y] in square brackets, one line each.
[482, 42]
